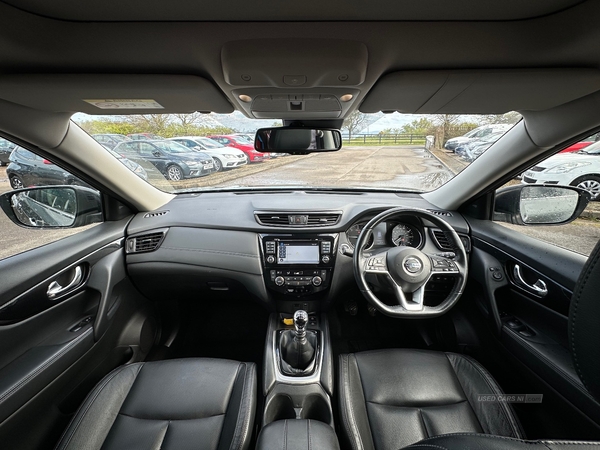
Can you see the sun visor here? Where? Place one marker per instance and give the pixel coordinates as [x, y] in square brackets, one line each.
[114, 94]
[479, 92]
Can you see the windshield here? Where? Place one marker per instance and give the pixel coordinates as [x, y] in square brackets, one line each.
[170, 146]
[208, 143]
[399, 152]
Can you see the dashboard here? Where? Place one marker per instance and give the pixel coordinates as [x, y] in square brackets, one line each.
[288, 250]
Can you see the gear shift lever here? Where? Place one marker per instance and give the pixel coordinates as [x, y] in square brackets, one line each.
[297, 347]
[300, 321]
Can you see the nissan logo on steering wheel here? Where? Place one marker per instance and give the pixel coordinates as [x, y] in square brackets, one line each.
[413, 265]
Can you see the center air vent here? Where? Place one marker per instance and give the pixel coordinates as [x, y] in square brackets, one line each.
[145, 242]
[298, 219]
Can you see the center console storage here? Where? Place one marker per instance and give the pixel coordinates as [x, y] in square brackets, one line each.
[297, 435]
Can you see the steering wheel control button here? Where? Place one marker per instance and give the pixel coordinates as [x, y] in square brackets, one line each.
[413, 265]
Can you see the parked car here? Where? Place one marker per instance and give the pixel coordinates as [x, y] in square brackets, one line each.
[473, 149]
[224, 157]
[173, 160]
[144, 136]
[6, 148]
[28, 169]
[110, 140]
[581, 169]
[243, 145]
[582, 144]
[476, 133]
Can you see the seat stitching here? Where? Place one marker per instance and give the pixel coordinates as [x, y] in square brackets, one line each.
[285, 427]
[243, 411]
[170, 420]
[427, 445]
[492, 384]
[308, 432]
[349, 418]
[416, 407]
[423, 422]
[89, 401]
[506, 438]
[588, 273]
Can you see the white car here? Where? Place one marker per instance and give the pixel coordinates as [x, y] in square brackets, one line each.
[476, 133]
[581, 169]
[224, 157]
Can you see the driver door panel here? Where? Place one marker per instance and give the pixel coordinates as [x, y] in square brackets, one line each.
[532, 325]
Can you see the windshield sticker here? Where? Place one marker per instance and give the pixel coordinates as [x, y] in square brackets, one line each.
[125, 104]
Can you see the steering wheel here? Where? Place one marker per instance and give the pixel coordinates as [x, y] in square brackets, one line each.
[408, 269]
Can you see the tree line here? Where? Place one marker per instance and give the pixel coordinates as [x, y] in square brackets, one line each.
[165, 125]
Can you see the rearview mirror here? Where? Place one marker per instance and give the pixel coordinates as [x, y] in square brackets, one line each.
[540, 204]
[52, 206]
[297, 140]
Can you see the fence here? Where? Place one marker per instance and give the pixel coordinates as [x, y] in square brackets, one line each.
[384, 139]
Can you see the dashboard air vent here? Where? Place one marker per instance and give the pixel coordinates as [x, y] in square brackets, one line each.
[155, 214]
[298, 219]
[440, 213]
[443, 241]
[145, 242]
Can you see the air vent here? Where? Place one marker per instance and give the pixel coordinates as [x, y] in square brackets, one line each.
[145, 242]
[155, 214]
[440, 213]
[444, 240]
[298, 219]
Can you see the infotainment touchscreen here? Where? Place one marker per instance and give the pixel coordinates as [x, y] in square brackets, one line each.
[298, 253]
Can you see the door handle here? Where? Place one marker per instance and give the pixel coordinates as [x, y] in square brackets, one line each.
[55, 289]
[538, 288]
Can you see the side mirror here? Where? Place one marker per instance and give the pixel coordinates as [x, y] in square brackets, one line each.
[540, 204]
[297, 140]
[156, 153]
[52, 206]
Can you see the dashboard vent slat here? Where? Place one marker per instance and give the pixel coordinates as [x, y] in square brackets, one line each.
[298, 219]
[145, 242]
[437, 212]
[155, 214]
[443, 241]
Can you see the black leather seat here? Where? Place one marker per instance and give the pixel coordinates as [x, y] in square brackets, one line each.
[174, 404]
[394, 398]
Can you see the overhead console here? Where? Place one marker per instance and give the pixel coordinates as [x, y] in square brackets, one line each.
[271, 76]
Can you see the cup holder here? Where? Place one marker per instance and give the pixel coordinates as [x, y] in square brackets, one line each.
[312, 406]
[316, 408]
[280, 407]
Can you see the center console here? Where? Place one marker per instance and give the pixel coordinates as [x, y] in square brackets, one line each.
[297, 395]
[298, 265]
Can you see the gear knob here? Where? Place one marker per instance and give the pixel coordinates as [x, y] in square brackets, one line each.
[300, 321]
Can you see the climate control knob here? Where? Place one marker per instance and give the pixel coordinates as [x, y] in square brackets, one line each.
[270, 259]
[325, 259]
[316, 281]
[279, 281]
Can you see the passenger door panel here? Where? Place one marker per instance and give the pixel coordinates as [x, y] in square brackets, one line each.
[41, 338]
